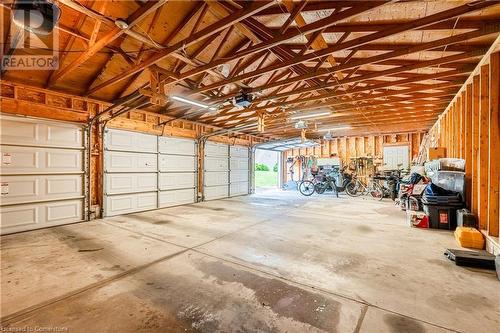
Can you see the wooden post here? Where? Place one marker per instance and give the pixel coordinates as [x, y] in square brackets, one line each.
[475, 144]
[494, 145]
[483, 149]
[467, 143]
[462, 130]
[454, 126]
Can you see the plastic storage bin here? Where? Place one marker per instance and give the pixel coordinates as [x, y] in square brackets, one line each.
[469, 237]
[449, 180]
[442, 199]
[445, 164]
[442, 216]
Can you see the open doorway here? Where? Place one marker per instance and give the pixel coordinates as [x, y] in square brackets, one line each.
[266, 169]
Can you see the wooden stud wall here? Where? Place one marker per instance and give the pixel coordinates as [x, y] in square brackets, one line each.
[347, 147]
[469, 129]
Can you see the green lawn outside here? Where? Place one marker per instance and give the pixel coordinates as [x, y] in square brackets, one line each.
[266, 179]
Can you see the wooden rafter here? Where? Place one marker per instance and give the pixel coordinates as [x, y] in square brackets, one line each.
[350, 57]
[253, 8]
[108, 37]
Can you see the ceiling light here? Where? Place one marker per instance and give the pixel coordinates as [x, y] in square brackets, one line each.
[310, 115]
[195, 103]
[334, 128]
[121, 24]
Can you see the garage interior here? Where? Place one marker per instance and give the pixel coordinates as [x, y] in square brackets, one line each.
[129, 132]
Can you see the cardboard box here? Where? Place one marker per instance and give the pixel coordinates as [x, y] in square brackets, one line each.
[435, 153]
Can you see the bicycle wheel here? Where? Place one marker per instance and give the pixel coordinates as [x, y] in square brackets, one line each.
[306, 188]
[376, 191]
[320, 188]
[354, 189]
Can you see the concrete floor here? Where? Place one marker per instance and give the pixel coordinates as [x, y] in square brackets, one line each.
[271, 262]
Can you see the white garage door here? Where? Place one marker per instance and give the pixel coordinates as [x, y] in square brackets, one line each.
[42, 177]
[396, 157]
[177, 176]
[216, 171]
[130, 172]
[239, 167]
[144, 172]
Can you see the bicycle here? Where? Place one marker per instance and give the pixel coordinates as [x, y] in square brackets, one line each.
[357, 188]
[328, 184]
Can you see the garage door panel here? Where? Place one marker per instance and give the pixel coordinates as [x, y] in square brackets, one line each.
[64, 136]
[177, 163]
[239, 151]
[22, 131]
[18, 160]
[129, 203]
[177, 197]
[216, 149]
[118, 161]
[239, 164]
[120, 183]
[170, 181]
[168, 145]
[17, 216]
[239, 176]
[131, 141]
[23, 189]
[239, 188]
[216, 178]
[33, 216]
[62, 211]
[62, 160]
[216, 192]
[216, 164]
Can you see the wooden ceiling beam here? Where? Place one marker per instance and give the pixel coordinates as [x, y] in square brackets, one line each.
[124, 55]
[258, 32]
[294, 14]
[487, 29]
[367, 98]
[387, 102]
[354, 115]
[458, 47]
[464, 23]
[373, 128]
[360, 121]
[363, 118]
[132, 80]
[280, 51]
[290, 34]
[108, 37]
[386, 84]
[374, 74]
[367, 76]
[251, 9]
[313, 6]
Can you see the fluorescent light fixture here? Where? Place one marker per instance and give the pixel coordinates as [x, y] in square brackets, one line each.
[334, 128]
[310, 115]
[195, 103]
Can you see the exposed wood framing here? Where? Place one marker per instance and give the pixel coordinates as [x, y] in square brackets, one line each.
[354, 58]
[469, 129]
